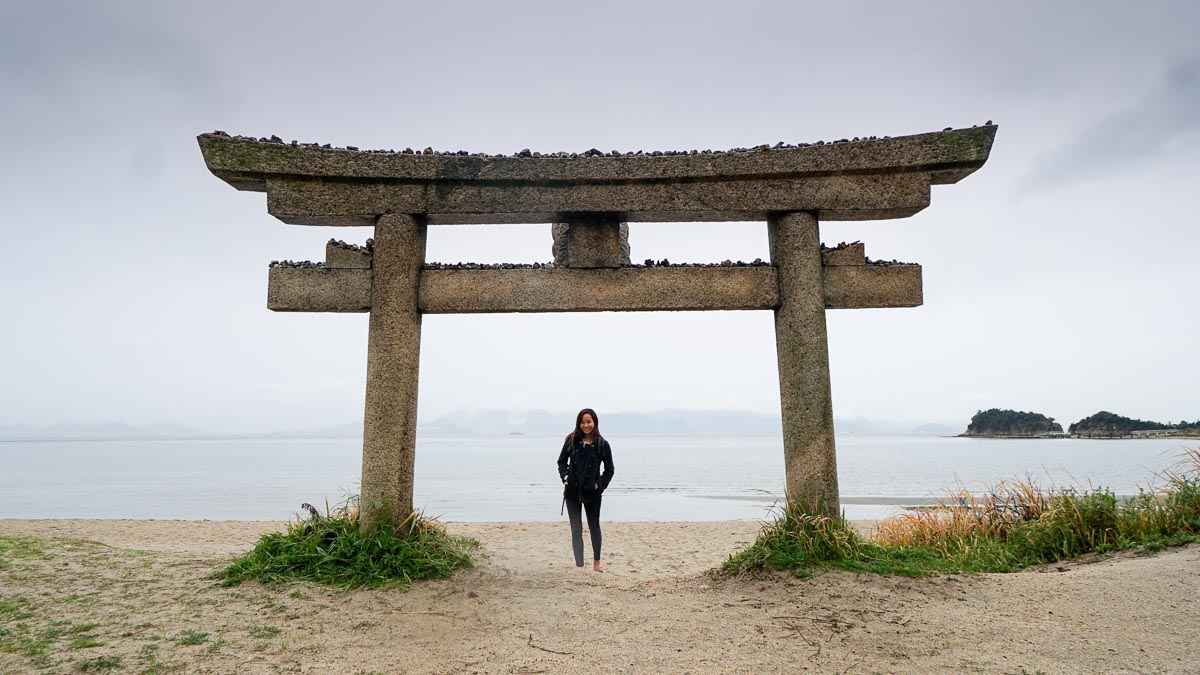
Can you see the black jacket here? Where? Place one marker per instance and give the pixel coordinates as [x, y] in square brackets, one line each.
[579, 468]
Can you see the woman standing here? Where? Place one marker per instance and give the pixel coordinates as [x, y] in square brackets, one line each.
[583, 451]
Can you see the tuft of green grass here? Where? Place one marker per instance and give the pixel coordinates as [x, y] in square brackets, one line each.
[336, 549]
[98, 664]
[83, 636]
[1015, 526]
[191, 638]
[15, 608]
[85, 642]
[147, 658]
[22, 548]
[264, 632]
[20, 637]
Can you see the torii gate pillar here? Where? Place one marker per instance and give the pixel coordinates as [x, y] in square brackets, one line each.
[393, 359]
[802, 348]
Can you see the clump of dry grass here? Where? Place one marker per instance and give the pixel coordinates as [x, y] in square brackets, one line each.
[1019, 524]
[1014, 525]
[964, 516]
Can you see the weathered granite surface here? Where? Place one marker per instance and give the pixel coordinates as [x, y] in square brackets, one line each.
[317, 201]
[318, 289]
[626, 289]
[844, 254]
[866, 179]
[393, 358]
[949, 153]
[874, 285]
[590, 240]
[802, 349]
[597, 290]
[340, 255]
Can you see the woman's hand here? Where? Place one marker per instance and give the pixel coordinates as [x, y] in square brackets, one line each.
[595, 486]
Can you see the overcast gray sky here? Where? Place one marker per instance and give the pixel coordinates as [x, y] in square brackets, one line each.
[1060, 278]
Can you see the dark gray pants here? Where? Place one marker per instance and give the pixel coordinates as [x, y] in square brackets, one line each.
[593, 518]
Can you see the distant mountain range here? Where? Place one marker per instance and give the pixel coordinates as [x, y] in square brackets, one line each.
[669, 421]
[658, 422]
[498, 421]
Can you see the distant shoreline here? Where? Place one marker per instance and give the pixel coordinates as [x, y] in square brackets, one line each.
[1087, 437]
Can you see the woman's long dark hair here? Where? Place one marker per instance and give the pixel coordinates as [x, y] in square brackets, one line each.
[577, 435]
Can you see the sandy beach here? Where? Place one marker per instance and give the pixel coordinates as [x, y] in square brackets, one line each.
[137, 595]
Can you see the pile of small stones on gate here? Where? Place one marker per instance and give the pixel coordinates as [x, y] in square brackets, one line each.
[526, 153]
[369, 247]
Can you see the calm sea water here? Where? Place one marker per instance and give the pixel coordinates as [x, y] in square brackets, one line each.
[513, 478]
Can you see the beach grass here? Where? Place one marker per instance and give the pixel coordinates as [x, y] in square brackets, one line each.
[1016, 525]
[335, 549]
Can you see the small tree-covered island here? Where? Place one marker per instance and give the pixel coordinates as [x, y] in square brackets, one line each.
[1111, 425]
[997, 423]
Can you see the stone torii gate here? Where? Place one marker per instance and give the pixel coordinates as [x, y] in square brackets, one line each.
[590, 196]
